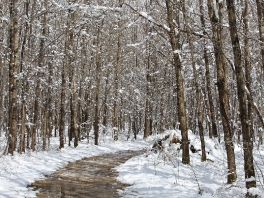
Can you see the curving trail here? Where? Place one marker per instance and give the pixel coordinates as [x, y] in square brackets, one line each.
[89, 177]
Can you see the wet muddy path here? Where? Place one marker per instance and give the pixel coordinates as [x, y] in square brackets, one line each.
[89, 177]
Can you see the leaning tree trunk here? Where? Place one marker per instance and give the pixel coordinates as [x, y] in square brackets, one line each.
[247, 139]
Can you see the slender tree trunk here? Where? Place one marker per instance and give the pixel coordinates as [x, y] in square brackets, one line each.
[116, 83]
[13, 69]
[248, 68]
[44, 128]
[207, 75]
[73, 131]
[222, 84]
[97, 91]
[74, 113]
[3, 80]
[261, 29]
[105, 101]
[247, 138]
[260, 12]
[197, 88]
[161, 117]
[180, 87]
[147, 129]
[40, 75]
[63, 91]
[50, 119]
[24, 83]
[23, 127]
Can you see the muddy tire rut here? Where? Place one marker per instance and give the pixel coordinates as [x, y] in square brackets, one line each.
[88, 177]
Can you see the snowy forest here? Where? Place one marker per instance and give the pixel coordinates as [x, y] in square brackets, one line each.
[77, 70]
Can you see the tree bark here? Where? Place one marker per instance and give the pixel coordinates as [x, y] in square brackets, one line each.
[174, 40]
[197, 88]
[40, 75]
[222, 84]
[98, 82]
[207, 75]
[116, 83]
[261, 29]
[247, 138]
[13, 69]
[73, 131]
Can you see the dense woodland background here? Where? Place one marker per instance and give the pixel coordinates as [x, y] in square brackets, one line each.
[79, 68]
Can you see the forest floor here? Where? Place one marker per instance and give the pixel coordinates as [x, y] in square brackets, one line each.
[88, 177]
[111, 165]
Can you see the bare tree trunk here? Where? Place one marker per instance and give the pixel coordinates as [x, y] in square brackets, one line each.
[73, 131]
[147, 128]
[197, 88]
[260, 12]
[23, 127]
[105, 101]
[261, 29]
[247, 138]
[63, 90]
[222, 84]
[74, 112]
[161, 119]
[40, 75]
[117, 68]
[3, 80]
[180, 87]
[13, 69]
[50, 119]
[24, 84]
[207, 75]
[98, 82]
[44, 128]
[248, 68]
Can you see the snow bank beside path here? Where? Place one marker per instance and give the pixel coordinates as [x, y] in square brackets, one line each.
[163, 175]
[19, 171]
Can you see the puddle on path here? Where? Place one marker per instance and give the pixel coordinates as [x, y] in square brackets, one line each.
[89, 177]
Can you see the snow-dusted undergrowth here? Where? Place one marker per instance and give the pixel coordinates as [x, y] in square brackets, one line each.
[163, 175]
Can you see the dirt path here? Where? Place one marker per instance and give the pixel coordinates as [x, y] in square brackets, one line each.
[89, 177]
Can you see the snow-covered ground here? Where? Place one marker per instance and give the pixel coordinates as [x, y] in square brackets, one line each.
[163, 175]
[152, 174]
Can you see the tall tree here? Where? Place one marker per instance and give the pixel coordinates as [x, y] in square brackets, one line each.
[98, 64]
[222, 83]
[196, 84]
[242, 97]
[175, 45]
[13, 69]
[73, 131]
[117, 70]
[207, 73]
